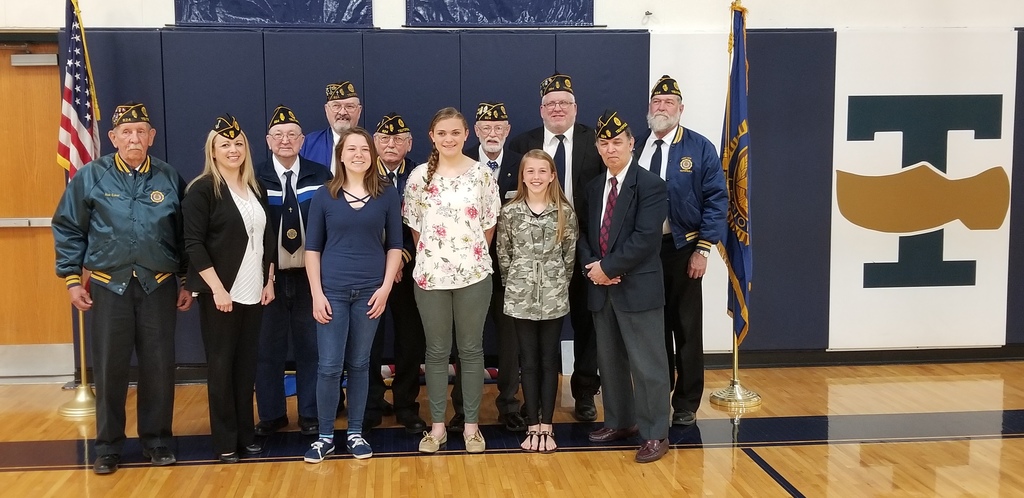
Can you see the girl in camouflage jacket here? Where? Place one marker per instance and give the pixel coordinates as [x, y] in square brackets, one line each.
[536, 245]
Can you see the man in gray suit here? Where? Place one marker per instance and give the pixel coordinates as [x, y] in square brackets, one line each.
[620, 239]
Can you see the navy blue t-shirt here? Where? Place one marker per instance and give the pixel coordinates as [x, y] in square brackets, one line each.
[353, 242]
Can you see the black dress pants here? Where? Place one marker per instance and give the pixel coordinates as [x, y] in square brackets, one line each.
[231, 341]
[684, 315]
[144, 323]
[410, 346]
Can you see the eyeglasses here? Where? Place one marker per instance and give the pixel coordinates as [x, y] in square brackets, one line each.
[561, 104]
[291, 136]
[336, 107]
[399, 141]
[488, 129]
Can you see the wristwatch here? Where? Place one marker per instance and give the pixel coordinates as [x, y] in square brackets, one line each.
[704, 252]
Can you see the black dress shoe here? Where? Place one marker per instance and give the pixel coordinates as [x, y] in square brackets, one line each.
[387, 408]
[607, 434]
[253, 449]
[586, 410]
[161, 455]
[683, 417]
[106, 464]
[228, 457]
[514, 422]
[412, 422]
[267, 427]
[309, 426]
[457, 423]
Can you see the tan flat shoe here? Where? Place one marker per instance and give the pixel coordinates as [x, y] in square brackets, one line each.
[430, 444]
[475, 443]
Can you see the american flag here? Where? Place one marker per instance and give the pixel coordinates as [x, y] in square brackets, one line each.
[79, 132]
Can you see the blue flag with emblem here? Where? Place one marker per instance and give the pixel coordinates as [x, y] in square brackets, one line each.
[735, 249]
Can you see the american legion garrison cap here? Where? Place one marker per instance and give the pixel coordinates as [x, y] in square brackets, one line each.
[666, 86]
[227, 126]
[488, 111]
[392, 124]
[282, 115]
[610, 125]
[556, 83]
[131, 112]
[341, 90]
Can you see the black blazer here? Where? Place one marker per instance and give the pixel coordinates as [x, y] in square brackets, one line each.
[634, 241]
[586, 162]
[215, 235]
[508, 170]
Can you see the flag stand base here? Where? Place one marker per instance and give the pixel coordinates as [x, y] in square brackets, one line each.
[84, 404]
[735, 396]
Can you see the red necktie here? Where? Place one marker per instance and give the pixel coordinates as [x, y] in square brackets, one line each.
[606, 223]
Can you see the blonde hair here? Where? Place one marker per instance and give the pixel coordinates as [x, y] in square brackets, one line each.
[446, 113]
[246, 171]
[553, 193]
[371, 180]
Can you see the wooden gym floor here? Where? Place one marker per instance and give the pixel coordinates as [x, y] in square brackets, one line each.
[909, 430]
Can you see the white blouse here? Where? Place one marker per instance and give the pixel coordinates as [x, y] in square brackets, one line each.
[248, 285]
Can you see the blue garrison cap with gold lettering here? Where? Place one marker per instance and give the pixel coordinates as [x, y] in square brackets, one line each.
[131, 112]
[610, 125]
[227, 126]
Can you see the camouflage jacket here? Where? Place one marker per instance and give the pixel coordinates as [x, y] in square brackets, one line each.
[535, 268]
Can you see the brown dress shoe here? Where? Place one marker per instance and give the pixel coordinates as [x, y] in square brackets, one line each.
[652, 450]
[607, 434]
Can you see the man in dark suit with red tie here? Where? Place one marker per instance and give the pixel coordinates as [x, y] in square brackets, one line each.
[620, 237]
[572, 146]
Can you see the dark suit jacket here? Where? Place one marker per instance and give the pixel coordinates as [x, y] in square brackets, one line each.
[402, 177]
[634, 241]
[215, 235]
[586, 162]
[508, 170]
[508, 179]
[311, 174]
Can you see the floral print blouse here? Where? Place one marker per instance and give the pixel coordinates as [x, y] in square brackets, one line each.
[451, 215]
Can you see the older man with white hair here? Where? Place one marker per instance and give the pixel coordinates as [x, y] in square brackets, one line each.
[689, 163]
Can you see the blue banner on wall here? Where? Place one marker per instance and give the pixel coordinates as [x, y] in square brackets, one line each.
[321, 13]
[499, 13]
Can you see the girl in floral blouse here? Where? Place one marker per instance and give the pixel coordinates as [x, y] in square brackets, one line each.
[451, 205]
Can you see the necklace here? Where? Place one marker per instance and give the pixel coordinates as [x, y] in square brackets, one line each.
[245, 209]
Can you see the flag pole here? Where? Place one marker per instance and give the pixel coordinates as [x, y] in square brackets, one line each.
[84, 404]
[78, 144]
[735, 157]
[735, 396]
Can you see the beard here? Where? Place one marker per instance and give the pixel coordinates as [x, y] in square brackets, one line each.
[342, 125]
[493, 148]
[661, 123]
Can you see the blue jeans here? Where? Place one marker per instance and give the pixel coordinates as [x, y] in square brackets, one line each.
[345, 340]
[291, 314]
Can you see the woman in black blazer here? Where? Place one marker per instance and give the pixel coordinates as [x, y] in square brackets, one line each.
[231, 253]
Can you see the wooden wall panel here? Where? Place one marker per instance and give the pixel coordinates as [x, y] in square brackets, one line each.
[34, 306]
[33, 302]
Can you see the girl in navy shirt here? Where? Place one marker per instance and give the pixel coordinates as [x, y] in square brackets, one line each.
[353, 250]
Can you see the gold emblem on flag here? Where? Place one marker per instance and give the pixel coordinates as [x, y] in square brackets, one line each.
[291, 234]
[686, 164]
[156, 196]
